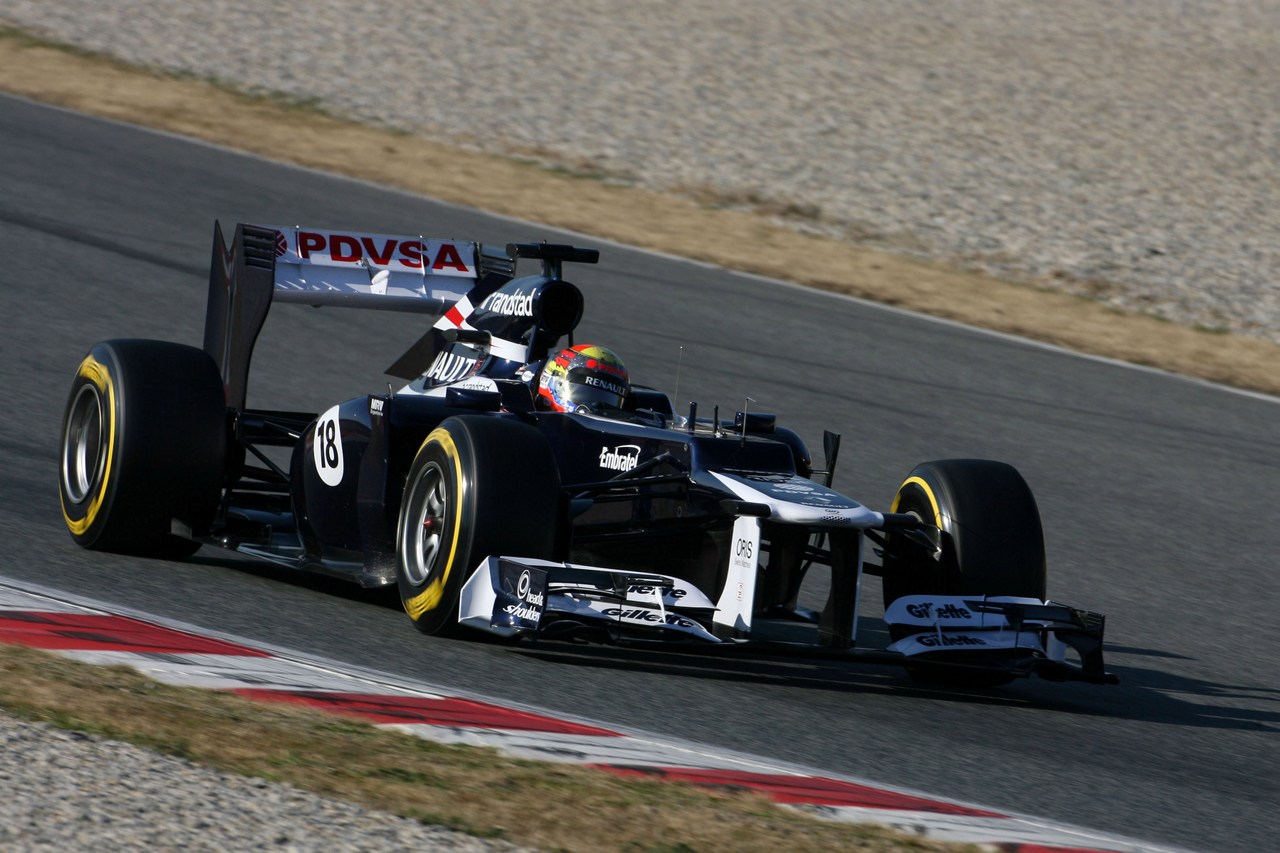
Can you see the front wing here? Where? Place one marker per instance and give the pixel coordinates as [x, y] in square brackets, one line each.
[512, 596]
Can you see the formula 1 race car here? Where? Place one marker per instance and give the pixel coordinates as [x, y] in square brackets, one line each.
[499, 501]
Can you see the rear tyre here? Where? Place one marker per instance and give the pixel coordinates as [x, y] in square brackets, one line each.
[992, 544]
[143, 443]
[479, 486]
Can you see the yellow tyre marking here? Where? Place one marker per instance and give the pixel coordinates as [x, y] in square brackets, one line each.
[98, 374]
[928, 492]
[429, 599]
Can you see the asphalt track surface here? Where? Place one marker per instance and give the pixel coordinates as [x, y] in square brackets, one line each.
[1157, 494]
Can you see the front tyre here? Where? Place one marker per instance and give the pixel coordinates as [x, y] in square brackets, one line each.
[992, 540]
[143, 444]
[479, 486]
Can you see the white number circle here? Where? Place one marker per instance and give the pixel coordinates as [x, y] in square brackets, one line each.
[326, 448]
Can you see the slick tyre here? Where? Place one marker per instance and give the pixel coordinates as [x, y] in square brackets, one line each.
[479, 486]
[991, 537]
[992, 541]
[143, 444]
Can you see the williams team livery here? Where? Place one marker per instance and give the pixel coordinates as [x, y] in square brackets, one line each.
[520, 484]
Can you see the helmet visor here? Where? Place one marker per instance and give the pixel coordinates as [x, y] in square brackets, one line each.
[593, 390]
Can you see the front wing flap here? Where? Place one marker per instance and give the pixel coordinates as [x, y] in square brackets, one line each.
[1027, 633]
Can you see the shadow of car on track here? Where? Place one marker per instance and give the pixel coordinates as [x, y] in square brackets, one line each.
[1143, 695]
[748, 666]
[1160, 696]
[380, 596]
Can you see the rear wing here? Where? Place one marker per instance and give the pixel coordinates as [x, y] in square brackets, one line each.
[373, 271]
[265, 264]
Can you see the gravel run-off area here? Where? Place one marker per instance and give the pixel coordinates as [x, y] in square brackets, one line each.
[1124, 150]
[65, 791]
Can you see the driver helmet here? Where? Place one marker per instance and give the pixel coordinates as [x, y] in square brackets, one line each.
[585, 378]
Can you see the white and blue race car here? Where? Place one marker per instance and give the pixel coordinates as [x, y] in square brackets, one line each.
[632, 523]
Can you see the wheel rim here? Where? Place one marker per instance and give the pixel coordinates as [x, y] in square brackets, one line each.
[425, 529]
[913, 574]
[84, 449]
